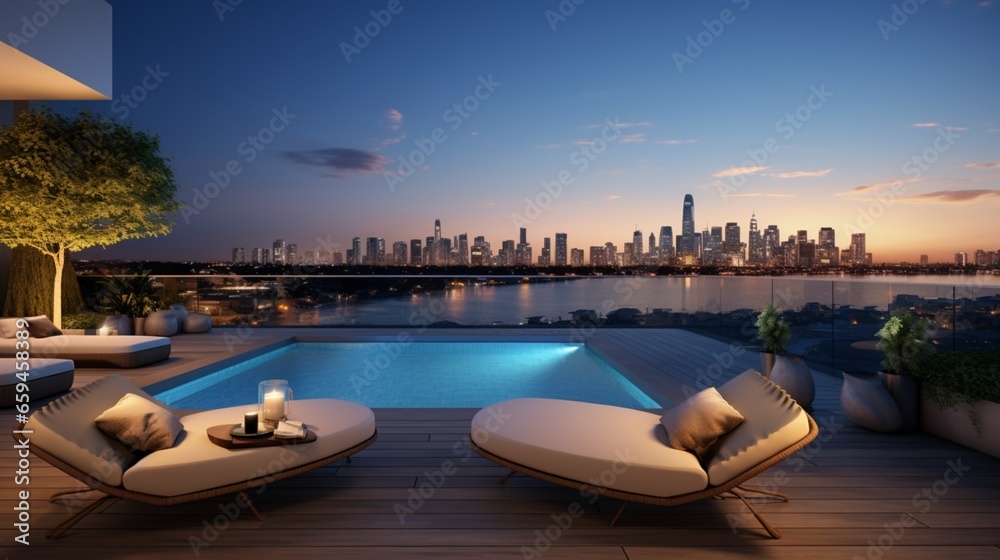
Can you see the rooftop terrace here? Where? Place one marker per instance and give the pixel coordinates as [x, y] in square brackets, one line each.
[854, 493]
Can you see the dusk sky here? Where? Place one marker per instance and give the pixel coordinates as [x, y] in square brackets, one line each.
[875, 116]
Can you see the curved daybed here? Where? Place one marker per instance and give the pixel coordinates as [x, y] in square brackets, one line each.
[43, 377]
[64, 433]
[625, 454]
[95, 351]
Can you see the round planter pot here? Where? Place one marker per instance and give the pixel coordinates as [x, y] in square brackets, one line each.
[122, 324]
[865, 401]
[905, 392]
[791, 373]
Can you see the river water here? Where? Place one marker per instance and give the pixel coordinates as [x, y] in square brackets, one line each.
[557, 299]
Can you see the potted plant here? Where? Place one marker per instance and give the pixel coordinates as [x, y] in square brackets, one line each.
[788, 371]
[774, 333]
[971, 379]
[130, 300]
[903, 341]
[144, 299]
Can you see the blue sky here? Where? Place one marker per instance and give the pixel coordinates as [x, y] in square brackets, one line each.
[832, 104]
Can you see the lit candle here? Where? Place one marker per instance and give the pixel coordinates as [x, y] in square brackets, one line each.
[104, 331]
[274, 405]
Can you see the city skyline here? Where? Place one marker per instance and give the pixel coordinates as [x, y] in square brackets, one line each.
[563, 117]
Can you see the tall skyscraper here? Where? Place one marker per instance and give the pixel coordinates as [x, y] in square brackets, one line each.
[463, 249]
[827, 252]
[436, 256]
[415, 256]
[637, 252]
[239, 255]
[524, 236]
[545, 259]
[857, 249]
[666, 252]
[755, 242]
[652, 247]
[257, 255]
[399, 253]
[561, 252]
[429, 249]
[733, 245]
[354, 257]
[576, 257]
[961, 258]
[375, 251]
[924, 260]
[687, 244]
[278, 251]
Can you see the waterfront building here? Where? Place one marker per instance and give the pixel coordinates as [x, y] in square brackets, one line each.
[755, 241]
[415, 253]
[278, 251]
[961, 258]
[597, 255]
[354, 255]
[686, 244]
[239, 255]
[399, 253]
[857, 249]
[666, 250]
[561, 249]
[292, 255]
[576, 257]
[463, 249]
[545, 259]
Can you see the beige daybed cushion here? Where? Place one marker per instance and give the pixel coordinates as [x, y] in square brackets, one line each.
[583, 441]
[194, 463]
[772, 422]
[117, 350]
[37, 369]
[65, 428]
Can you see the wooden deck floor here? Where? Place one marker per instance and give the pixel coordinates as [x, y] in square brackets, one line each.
[853, 493]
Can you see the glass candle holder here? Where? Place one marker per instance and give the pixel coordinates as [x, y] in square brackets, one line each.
[273, 396]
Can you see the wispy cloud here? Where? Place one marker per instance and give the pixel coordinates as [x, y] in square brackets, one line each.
[622, 124]
[955, 197]
[797, 174]
[611, 196]
[733, 171]
[489, 204]
[632, 138]
[335, 160]
[988, 165]
[673, 142]
[876, 186]
[760, 195]
[935, 125]
[393, 118]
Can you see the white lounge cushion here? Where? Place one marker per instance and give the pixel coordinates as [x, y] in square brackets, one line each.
[87, 345]
[772, 422]
[603, 445]
[65, 428]
[37, 369]
[194, 463]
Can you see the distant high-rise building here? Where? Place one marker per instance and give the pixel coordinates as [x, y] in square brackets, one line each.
[924, 260]
[755, 242]
[292, 257]
[561, 252]
[239, 255]
[733, 247]
[686, 245]
[576, 257]
[399, 253]
[257, 255]
[265, 256]
[597, 255]
[524, 236]
[666, 252]
[636, 252]
[374, 251]
[857, 249]
[610, 254]
[802, 236]
[545, 259]
[336, 258]
[508, 253]
[309, 258]
[628, 255]
[278, 252]
[438, 256]
[961, 258]
[827, 252]
[429, 250]
[354, 255]
[415, 256]
[463, 249]
[652, 247]
[485, 252]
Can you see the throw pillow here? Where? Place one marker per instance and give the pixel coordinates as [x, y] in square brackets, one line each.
[140, 423]
[700, 420]
[41, 327]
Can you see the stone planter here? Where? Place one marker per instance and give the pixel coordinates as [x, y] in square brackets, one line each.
[791, 373]
[954, 424]
[865, 401]
[767, 363]
[905, 391]
[120, 323]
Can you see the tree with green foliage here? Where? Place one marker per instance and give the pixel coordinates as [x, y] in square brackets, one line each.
[69, 183]
[29, 290]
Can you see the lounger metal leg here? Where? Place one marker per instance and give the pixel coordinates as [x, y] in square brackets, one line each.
[251, 506]
[617, 515]
[767, 526]
[506, 476]
[66, 525]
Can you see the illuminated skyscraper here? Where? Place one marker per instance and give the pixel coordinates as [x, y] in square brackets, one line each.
[637, 256]
[666, 252]
[239, 255]
[857, 249]
[415, 253]
[687, 245]
[278, 251]
[399, 253]
[755, 242]
[561, 252]
[545, 259]
[354, 257]
[463, 249]
[292, 255]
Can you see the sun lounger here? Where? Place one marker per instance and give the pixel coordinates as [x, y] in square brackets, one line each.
[65, 434]
[42, 378]
[626, 454]
[95, 351]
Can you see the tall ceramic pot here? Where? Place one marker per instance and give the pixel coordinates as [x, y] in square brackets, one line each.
[865, 401]
[767, 363]
[905, 391]
[791, 373]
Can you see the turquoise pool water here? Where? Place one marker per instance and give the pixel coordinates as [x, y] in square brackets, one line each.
[419, 375]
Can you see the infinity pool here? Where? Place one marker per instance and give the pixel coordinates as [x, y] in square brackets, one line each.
[419, 375]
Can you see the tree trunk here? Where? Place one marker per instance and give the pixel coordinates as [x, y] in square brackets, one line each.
[60, 260]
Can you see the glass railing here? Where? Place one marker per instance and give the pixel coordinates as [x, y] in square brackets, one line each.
[833, 320]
